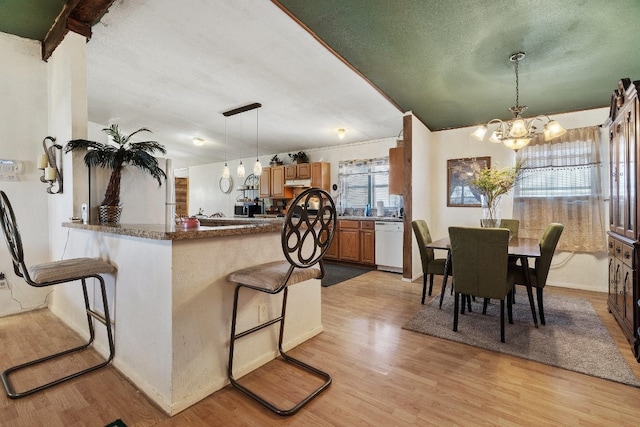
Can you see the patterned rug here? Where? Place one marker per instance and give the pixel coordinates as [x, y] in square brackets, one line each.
[573, 338]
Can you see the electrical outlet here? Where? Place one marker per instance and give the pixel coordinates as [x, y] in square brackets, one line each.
[262, 313]
[3, 282]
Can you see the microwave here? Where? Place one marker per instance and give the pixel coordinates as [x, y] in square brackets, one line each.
[247, 210]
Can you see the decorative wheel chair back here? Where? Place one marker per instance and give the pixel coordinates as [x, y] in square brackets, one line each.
[307, 232]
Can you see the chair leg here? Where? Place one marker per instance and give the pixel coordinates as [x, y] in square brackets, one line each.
[430, 284]
[302, 365]
[510, 307]
[484, 305]
[424, 287]
[455, 311]
[91, 316]
[540, 305]
[502, 320]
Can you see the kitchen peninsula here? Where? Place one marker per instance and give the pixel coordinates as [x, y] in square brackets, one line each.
[171, 302]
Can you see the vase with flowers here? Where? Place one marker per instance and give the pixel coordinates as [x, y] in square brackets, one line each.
[491, 184]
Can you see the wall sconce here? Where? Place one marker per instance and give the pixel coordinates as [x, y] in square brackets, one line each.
[47, 162]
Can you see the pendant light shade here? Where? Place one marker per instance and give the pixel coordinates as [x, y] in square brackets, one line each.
[240, 170]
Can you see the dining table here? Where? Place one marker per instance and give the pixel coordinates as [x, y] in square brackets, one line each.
[521, 248]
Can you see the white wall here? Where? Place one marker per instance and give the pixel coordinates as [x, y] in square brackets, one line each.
[205, 193]
[583, 271]
[23, 121]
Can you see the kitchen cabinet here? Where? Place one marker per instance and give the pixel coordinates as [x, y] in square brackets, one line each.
[321, 175]
[367, 242]
[272, 183]
[182, 196]
[624, 131]
[265, 183]
[297, 171]
[396, 170]
[354, 242]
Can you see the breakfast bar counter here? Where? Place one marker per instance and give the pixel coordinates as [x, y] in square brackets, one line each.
[171, 303]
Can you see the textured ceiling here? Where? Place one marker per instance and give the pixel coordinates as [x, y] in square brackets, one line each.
[448, 61]
[176, 69]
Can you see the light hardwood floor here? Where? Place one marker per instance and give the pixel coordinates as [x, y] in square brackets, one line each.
[382, 376]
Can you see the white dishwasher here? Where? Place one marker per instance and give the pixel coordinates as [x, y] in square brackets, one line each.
[389, 245]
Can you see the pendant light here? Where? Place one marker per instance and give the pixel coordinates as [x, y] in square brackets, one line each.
[226, 173]
[240, 170]
[257, 167]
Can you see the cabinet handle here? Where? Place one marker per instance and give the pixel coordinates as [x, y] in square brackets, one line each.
[627, 255]
[618, 250]
[610, 244]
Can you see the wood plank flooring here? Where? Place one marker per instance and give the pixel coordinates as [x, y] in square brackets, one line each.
[382, 376]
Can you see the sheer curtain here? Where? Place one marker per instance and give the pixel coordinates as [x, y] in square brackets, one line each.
[562, 183]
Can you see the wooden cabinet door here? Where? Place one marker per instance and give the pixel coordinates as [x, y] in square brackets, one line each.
[367, 246]
[182, 196]
[349, 237]
[349, 245]
[396, 170]
[303, 171]
[334, 249]
[321, 176]
[265, 183]
[290, 172]
[277, 181]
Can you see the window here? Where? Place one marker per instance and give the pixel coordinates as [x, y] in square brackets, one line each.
[562, 183]
[365, 181]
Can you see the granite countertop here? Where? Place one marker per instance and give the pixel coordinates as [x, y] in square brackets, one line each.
[372, 218]
[216, 227]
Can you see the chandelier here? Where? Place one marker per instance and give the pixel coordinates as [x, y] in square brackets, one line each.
[518, 132]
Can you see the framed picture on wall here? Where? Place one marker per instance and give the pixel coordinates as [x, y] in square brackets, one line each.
[459, 173]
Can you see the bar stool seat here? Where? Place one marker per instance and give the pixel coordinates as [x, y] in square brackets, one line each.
[306, 236]
[270, 275]
[53, 273]
[68, 270]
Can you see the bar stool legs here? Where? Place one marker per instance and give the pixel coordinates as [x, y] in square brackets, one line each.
[287, 358]
[91, 316]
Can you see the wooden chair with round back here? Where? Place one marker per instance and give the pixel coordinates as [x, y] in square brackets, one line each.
[307, 232]
[49, 274]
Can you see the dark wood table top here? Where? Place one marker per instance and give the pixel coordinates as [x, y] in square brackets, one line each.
[518, 246]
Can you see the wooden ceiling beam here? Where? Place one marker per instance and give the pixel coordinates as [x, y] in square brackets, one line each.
[77, 16]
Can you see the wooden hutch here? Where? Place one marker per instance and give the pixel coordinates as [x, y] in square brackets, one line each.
[624, 209]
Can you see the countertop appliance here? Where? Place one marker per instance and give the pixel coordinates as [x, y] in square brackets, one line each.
[389, 245]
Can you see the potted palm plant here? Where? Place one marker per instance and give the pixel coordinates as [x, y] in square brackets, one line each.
[116, 156]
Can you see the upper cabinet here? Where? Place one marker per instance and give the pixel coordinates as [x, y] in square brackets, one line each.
[396, 170]
[297, 171]
[321, 175]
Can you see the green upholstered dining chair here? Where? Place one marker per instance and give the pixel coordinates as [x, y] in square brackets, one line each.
[540, 270]
[512, 225]
[480, 258]
[430, 264]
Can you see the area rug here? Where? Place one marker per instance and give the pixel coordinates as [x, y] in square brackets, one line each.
[573, 338]
[337, 273]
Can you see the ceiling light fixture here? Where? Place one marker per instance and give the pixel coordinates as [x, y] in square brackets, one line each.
[248, 107]
[518, 132]
[341, 133]
[226, 173]
[199, 142]
[257, 167]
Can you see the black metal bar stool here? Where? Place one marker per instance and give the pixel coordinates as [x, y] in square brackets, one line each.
[53, 273]
[307, 232]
